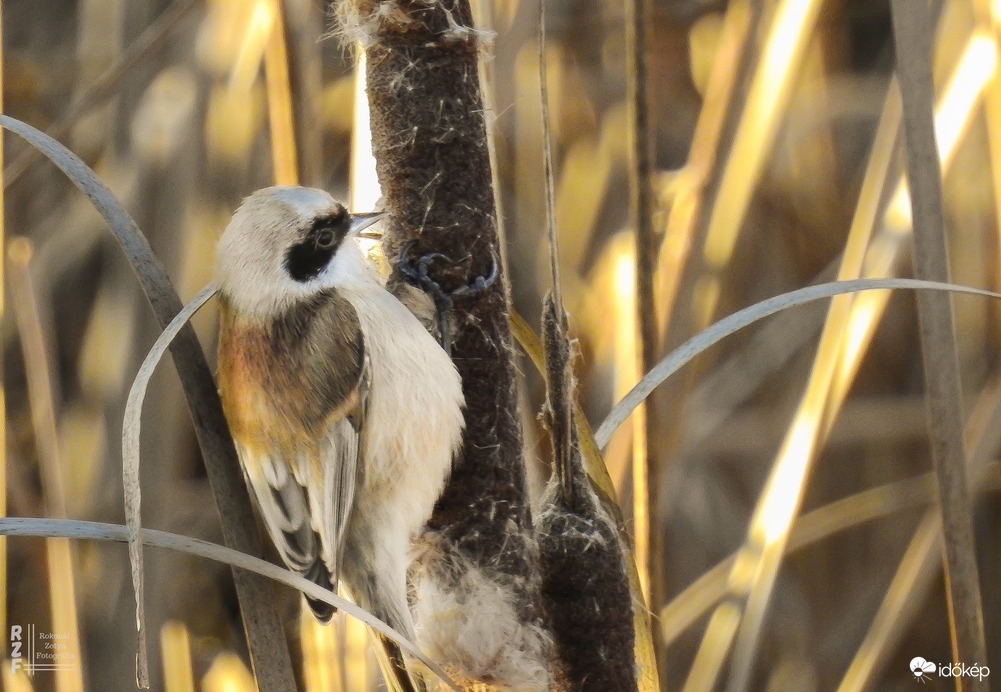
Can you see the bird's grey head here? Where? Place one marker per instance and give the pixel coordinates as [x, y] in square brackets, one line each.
[285, 243]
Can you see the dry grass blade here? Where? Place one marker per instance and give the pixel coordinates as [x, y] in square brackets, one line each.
[65, 528]
[131, 458]
[913, 34]
[749, 315]
[264, 632]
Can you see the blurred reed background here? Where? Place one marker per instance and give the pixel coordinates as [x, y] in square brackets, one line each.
[777, 164]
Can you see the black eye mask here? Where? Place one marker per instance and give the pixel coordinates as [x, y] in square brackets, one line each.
[308, 258]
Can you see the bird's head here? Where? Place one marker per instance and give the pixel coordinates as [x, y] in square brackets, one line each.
[286, 243]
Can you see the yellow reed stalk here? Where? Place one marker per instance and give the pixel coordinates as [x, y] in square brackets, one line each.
[36, 350]
[788, 36]
[175, 651]
[988, 18]
[320, 664]
[284, 155]
[15, 682]
[355, 659]
[919, 559]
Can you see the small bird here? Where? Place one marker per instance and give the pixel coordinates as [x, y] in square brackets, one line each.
[346, 413]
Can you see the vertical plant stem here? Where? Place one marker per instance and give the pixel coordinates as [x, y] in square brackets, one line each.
[276, 70]
[175, 650]
[641, 213]
[649, 543]
[561, 439]
[41, 393]
[912, 36]
[302, 21]
[903, 597]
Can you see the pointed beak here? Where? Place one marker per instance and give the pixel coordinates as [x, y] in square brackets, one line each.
[359, 222]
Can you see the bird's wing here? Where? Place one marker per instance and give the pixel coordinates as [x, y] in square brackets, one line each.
[331, 485]
[305, 486]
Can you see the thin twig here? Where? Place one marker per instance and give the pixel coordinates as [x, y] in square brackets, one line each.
[912, 36]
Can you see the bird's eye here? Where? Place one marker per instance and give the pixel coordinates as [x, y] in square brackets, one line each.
[325, 238]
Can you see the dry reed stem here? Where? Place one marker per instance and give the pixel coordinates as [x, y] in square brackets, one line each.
[916, 567]
[36, 348]
[808, 419]
[175, 651]
[646, 418]
[790, 26]
[284, 155]
[834, 370]
[912, 36]
[988, 18]
[303, 24]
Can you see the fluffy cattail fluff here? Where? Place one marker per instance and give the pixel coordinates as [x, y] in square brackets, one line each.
[469, 619]
[586, 600]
